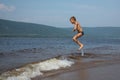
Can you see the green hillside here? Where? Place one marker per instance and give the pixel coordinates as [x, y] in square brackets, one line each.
[21, 29]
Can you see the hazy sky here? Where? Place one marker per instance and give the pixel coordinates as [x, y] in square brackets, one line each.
[90, 13]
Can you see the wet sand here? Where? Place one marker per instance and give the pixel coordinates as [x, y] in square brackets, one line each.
[89, 67]
[111, 72]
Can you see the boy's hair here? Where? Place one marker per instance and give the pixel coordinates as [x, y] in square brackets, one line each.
[73, 18]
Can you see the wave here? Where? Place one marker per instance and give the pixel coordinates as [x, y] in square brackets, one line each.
[35, 69]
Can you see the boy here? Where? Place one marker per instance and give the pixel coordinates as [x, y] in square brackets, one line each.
[79, 30]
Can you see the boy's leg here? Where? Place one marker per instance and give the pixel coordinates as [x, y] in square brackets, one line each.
[75, 38]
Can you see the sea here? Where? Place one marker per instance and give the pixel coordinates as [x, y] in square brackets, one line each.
[50, 45]
[18, 51]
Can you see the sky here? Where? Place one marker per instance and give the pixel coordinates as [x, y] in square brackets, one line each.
[90, 13]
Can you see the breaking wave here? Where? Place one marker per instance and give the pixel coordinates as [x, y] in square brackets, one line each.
[35, 69]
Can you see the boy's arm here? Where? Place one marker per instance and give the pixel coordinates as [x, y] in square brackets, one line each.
[75, 28]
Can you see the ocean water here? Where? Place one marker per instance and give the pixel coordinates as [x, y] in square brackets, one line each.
[53, 44]
[34, 49]
[15, 52]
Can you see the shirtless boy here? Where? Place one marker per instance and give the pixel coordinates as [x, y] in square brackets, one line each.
[79, 29]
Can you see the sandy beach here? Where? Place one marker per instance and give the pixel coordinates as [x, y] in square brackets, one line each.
[110, 72]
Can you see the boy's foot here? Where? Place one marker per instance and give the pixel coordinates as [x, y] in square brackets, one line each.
[81, 47]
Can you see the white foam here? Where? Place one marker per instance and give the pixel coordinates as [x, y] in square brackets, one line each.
[32, 70]
[54, 64]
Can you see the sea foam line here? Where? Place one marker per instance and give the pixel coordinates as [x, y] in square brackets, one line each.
[32, 70]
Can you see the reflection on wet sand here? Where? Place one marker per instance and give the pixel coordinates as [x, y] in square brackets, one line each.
[97, 67]
[81, 74]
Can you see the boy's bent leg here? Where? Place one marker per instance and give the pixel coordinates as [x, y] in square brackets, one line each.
[76, 37]
[78, 42]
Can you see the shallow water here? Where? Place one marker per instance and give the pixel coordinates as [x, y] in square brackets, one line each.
[15, 52]
[66, 44]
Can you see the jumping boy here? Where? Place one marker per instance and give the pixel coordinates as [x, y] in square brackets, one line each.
[79, 29]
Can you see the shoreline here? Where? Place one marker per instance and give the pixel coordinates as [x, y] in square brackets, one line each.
[93, 59]
[89, 61]
[79, 67]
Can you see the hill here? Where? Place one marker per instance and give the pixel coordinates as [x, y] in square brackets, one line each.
[21, 29]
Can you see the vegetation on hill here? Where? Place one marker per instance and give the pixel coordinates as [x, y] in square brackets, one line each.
[21, 29]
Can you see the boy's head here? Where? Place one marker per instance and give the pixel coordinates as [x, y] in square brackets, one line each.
[73, 20]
